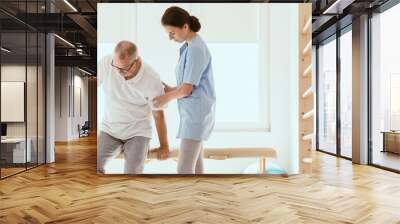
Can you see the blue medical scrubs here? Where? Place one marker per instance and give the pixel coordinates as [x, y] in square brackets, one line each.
[197, 111]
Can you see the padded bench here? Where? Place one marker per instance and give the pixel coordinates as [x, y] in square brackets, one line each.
[230, 153]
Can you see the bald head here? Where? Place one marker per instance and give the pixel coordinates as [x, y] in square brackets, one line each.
[125, 50]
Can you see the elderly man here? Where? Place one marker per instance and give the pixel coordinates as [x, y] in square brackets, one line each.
[129, 87]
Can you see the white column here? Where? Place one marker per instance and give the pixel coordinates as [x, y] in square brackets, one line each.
[50, 105]
[360, 90]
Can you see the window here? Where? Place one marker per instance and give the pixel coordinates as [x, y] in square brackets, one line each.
[385, 88]
[244, 108]
[346, 94]
[327, 97]
[394, 101]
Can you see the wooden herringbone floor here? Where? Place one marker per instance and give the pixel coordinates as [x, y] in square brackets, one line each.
[70, 191]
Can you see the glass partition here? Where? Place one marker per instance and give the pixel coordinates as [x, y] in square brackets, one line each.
[346, 94]
[22, 90]
[385, 89]
[327, 97]
[14, 154]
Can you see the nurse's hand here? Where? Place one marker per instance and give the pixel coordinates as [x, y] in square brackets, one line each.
[160, 101]
[168, 88]
[162, 152]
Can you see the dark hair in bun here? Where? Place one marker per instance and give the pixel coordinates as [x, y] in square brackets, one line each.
[194, 24]
[175, 16]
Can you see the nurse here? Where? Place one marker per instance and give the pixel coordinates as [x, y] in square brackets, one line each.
[194, 92]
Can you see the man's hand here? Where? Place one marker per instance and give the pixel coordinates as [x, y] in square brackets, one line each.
[134, 69]
[162, 152]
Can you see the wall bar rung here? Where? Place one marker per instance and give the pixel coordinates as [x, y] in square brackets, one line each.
[306, 26]
[307, 47]
[307, 160]
[308, 70]
[308, 137]
[308, 92]
[308, 114]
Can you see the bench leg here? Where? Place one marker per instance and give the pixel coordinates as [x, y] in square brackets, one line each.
[263, 163]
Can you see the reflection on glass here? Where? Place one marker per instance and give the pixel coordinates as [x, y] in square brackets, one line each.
[31, 100]
[395, 102]
[22, 91]
[327, 97]
[13, 85]
[386, 89]
[346, 94]
[41, 98]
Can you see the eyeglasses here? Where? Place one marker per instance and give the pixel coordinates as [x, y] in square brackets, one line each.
[123, 70]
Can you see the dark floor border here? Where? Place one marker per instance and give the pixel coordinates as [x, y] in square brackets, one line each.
[333, 154]
[22, 171]
[385, 168]
[370, 164]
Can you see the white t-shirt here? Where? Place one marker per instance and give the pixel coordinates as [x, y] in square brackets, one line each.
[128, 103]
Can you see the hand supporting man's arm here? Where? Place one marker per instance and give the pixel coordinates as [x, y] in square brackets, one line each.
[174, 93]
[163, 150]
[168, 88]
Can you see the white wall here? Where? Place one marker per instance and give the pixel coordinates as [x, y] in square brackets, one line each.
[12, 73]
[68, 81]
[33, 126]
[61, 103]
[280, 67]
[12, 98]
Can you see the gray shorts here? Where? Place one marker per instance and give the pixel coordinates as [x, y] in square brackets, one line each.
[134, 149]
